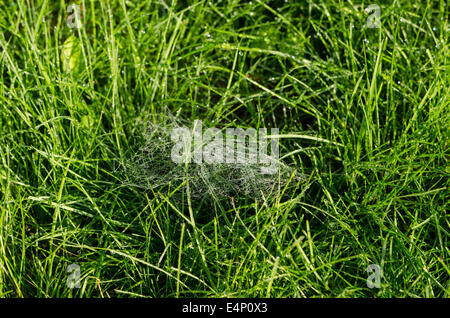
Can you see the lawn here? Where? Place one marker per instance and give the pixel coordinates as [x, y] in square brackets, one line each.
[91, 204]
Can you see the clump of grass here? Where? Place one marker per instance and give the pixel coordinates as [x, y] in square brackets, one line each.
[376, 192]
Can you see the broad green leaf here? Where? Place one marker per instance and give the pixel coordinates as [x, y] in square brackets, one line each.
[72, 57]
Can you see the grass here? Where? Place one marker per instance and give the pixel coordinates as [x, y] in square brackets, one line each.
[363, 114]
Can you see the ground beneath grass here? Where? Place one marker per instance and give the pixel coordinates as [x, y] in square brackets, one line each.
[363, 114]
